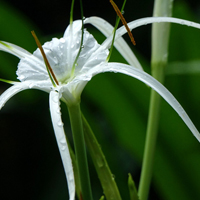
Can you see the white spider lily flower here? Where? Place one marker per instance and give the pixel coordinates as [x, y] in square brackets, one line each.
[61, 54]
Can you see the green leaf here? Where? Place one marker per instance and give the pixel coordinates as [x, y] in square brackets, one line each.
[132, 188]
[105, 176]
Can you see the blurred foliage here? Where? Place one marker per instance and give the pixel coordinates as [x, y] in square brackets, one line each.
[116, 107]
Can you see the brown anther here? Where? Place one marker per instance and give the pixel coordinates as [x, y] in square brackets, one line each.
[123, 21]
[44, 57]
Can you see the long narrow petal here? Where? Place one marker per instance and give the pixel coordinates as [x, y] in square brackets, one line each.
[149, 20]
[61, 141]
[20, 86]
[121, 45]
[13, 49]
[71, 31]
[153, 83]
[10, 92]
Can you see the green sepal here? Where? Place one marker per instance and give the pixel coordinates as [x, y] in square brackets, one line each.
[132, 189]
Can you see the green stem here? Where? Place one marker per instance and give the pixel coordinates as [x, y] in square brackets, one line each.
[108, 183]
[75, 169]
[80, 150]
[150, 143]
[160, 38]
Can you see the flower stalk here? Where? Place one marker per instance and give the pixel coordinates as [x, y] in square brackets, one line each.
[160, 38]
[80, 150]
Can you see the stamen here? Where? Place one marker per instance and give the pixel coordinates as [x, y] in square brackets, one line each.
[81, 43]
[49, 69]
[123, 21]
[71, 12]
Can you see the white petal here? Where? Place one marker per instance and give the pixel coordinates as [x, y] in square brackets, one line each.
[76, 28]
[72, 90]
[88, 57]
[56, 52]
[29, 67]
[10, 92]
[149, 20]
[153, 83]
[120, 43]
[70, 35]
[20, 86]
[61, 141]
[32, 68]
[13, 49]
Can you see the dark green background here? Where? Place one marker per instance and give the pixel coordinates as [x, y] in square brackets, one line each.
[115, 105]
